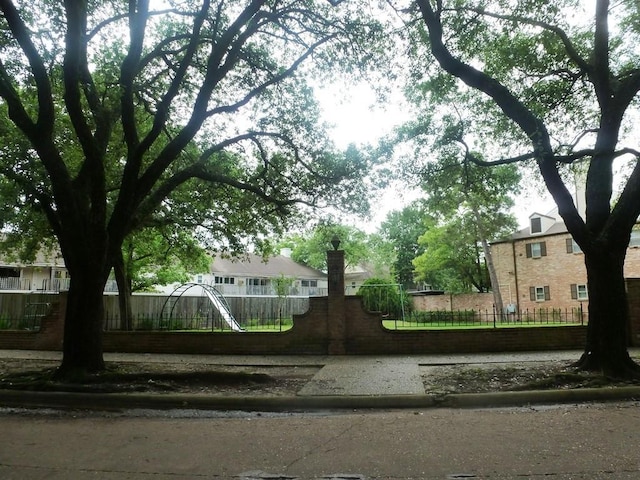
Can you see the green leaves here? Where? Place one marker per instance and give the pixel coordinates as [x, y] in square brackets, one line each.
[161, 256]
[311, 248]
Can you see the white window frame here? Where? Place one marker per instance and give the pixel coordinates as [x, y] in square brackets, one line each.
[540, 296]
[582, 292]
[536, 250]
[575, 248]
[634, 240]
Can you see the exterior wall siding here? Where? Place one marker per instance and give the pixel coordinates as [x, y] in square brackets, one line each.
[557, 270]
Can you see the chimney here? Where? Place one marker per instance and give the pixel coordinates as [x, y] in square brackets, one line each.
[580, 195]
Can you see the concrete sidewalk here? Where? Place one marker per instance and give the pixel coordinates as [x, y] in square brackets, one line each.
[341, 382]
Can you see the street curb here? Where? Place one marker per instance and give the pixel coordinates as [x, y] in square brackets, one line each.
[123, 401]
[540, 397]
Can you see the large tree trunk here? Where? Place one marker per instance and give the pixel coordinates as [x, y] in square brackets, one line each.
[608, 328]
[89, 264]
[82, 348]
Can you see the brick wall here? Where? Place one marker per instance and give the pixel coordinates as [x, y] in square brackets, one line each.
[557, 270]
[633, 299]
[49, 337]
[465, 301]
[308, 336]
[363, 334]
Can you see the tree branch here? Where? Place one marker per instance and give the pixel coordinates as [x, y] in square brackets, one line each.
[44, 124]
[559, 32]
[531, 125]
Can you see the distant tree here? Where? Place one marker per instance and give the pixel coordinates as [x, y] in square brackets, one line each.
[402, 229]
[311, 248]
[452, 259]
[472, 205]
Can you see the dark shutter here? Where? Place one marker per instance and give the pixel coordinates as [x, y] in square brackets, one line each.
[569, 245]
[528, 246]
[547, 294]
[532, 293]
[543, 249]
[574, 291]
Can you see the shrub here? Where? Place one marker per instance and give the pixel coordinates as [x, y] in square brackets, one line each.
[444, 317]
[381, 295]
[5, 323]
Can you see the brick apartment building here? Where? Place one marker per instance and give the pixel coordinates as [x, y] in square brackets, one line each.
[541, 266]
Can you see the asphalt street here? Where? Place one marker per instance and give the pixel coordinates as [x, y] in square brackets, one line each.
[587, 441]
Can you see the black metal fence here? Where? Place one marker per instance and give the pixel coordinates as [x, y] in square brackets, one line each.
[209, 322]
[489, 319]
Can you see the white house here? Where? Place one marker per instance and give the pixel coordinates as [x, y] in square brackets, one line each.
[47, 274]
[252, 275]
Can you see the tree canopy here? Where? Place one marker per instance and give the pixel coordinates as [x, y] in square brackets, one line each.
[310, 248]
[401, 229]
[121, 104]
[553, 83]
[472, 205]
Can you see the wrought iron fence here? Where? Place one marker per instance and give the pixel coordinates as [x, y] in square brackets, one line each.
[30, 323]
[209, 322]
[489, 319]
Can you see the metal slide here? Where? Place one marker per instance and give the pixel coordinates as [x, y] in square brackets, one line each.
[214, 296]
[222, 306]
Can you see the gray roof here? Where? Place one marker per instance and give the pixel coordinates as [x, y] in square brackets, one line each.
[251, 265]
[556, 229]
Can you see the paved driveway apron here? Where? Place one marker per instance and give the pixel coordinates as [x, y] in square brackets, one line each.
[366, 376]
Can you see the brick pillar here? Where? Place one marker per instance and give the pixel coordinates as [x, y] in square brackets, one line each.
[633, 300]
[336, 327]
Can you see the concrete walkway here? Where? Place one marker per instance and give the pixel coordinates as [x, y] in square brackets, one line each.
[341, 382]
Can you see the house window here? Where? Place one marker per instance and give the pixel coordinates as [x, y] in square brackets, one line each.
[536, 249]
[634, 241]
[224, 280]
[539, 294]
[572, 246]
[579, 292]
[257, 282]
[199, 278]
[536, 225]
[309, 283]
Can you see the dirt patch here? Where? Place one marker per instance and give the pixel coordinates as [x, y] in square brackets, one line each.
[154, 377]
[159, 378]
[479, 378]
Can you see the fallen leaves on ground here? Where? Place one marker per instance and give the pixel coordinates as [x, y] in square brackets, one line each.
[480, 378]
[38, 375]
